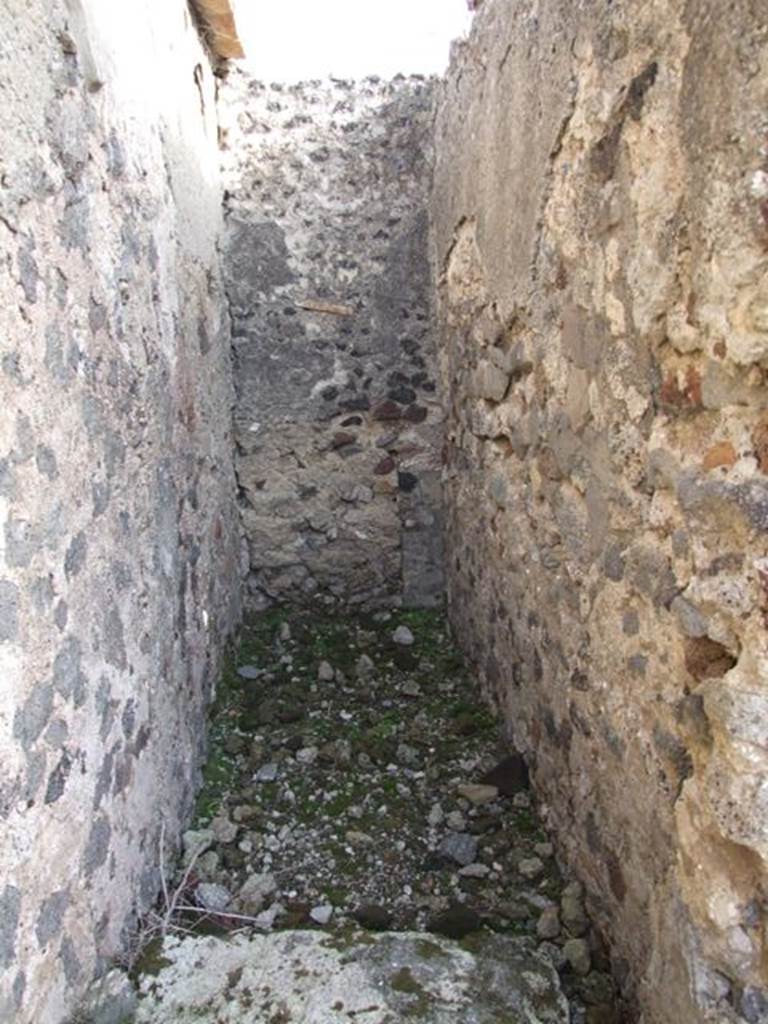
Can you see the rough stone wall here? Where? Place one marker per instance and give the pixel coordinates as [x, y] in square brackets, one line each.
[338, 426]
[118, 533]
[601, 228]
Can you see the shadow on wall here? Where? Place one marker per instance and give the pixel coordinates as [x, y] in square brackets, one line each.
[338, 421]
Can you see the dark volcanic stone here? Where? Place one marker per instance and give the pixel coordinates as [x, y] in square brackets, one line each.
[456, 922]
[415, 414]
[289, 714]
[387, 410]
[509, 776]
[359, 404]
[373, 917]
[465, 723]
[484, 823]
[407, 482]
[402, 394]
[404, 659]
[234, 744]
[233, 858]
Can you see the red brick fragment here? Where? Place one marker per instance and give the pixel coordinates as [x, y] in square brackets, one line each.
[341, 439]
[721, 454]
[387, 410]
[385, 466]
[682, 394]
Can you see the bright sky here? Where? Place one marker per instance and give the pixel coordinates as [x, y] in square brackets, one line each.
[286, 40]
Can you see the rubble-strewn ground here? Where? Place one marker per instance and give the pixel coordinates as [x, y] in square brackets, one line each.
[348, 786]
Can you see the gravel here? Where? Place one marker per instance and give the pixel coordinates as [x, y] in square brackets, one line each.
[357, 781]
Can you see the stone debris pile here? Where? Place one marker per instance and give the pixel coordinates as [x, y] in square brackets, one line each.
[357, 785]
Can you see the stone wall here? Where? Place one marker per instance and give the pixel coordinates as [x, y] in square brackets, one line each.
[118, 546]
[601, 229]
[338, 426]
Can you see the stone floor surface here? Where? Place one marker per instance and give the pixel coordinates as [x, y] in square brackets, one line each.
[307, 978]
[365, 848]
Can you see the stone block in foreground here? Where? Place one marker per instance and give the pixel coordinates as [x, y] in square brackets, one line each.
[313, 978]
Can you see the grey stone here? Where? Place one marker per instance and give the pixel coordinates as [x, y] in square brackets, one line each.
[68, 678]
[307, 755]
[224, 830]
[76, 556]
[530, 867]
[692, 622]
[57, 733]
[398, 974]
[548, 924]
[435, 816]
[212, 896]
[754, 1005]
[403, 636]
[57, 780]
[576, 952]
[574, 915]
[7, 479]
[195, 841]
[29, 275]
[113, 637]
[111, 999]
[554, 954]
[474, 871]
[408, 755]
[22, 541]
[255, 892]
[19, 988]
[490, 382]
[70, 961]
[267, 773]
[456, 821]
[97, 847]
[51, 916]
[322, 914]
[248, 672]
[46, 462]
[37, 761]
[477, 793]
[61, 615]
[9, 611]
[10, 909]
[266, 919]
[459, 847]
[33, 715]
[325, 672]
[364, 667]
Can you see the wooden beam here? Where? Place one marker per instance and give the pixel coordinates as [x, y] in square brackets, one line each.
[218, 23]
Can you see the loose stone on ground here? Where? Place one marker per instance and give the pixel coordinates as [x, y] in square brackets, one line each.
[357, 782]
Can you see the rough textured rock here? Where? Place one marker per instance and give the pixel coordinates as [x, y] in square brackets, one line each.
[119, 540]
[306, 978]
[601, 212]
[337, 421]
